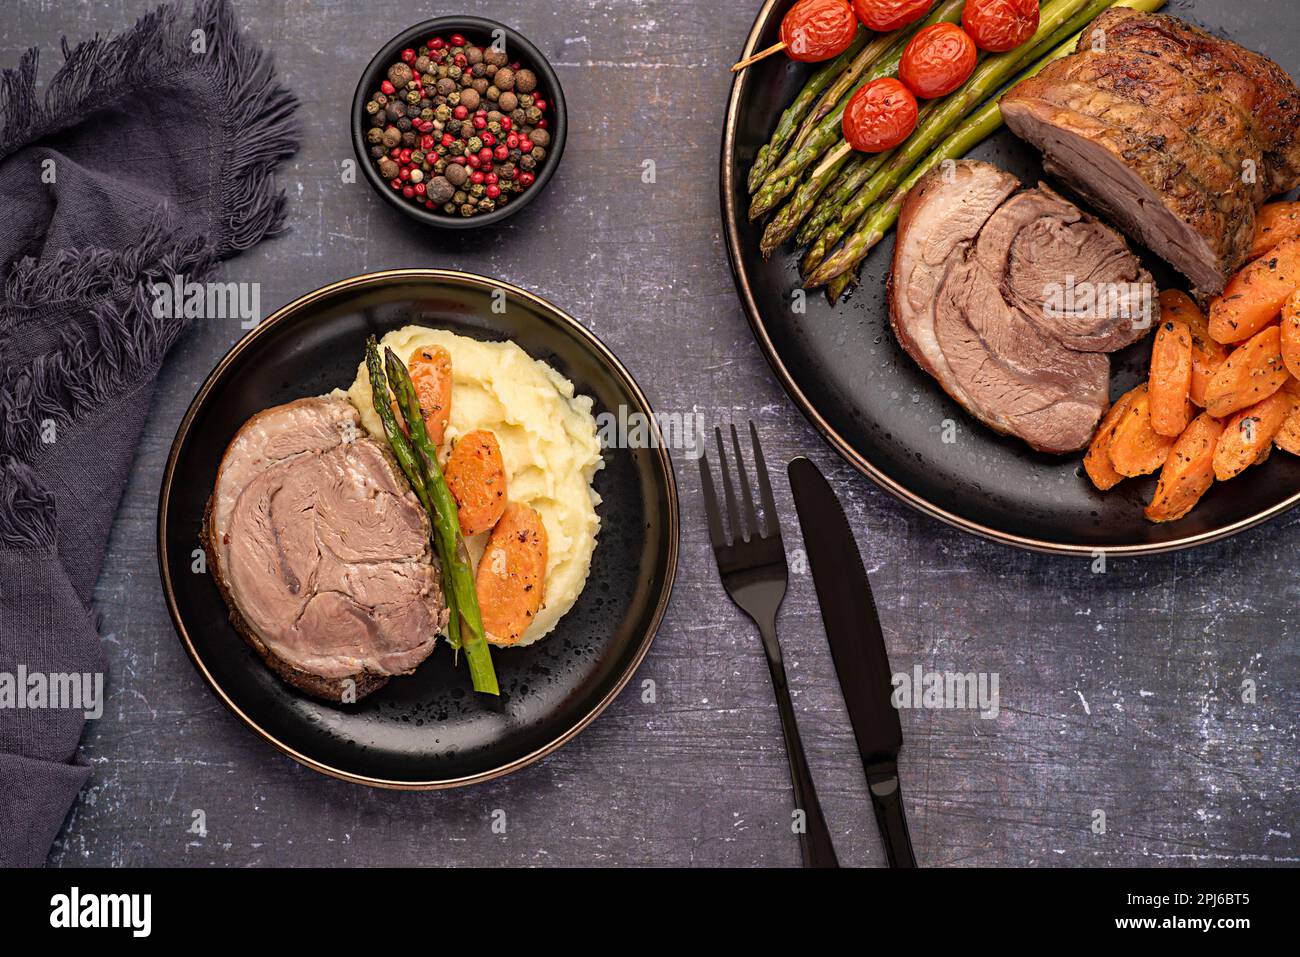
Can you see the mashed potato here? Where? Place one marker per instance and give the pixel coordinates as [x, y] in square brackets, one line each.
[548, 443]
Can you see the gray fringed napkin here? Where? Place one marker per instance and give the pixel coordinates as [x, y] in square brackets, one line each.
[150, 156]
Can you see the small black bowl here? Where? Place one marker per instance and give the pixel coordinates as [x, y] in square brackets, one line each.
[480, 31]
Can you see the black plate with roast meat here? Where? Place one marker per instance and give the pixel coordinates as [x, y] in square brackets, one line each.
[316, 611]
[928, 423]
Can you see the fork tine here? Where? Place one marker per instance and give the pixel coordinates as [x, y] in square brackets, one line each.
[737, 530]
[764, 485]
[716, 534]
[751, 518]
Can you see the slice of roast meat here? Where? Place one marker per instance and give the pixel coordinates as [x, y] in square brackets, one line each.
[1176, 135]
[982, 295]
[1068, 273]
[321, 551]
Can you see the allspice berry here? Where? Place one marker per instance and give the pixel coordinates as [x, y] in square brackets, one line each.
[457, 174]
[470, 98]
[440, 189]
[508, 102]
[399, 74]
[525, 81]
[388, 169]
[504, 79]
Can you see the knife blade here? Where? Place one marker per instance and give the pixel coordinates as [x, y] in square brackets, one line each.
[857, 648]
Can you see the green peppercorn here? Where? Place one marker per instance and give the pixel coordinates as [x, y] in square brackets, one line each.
[485, 205]
[442, 113]
[460, 197]
[474, 144]
[376, 135]
[449, 209]
[372, 107]
[454, 72]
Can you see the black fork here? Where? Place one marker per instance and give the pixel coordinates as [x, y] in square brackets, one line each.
[753, 569]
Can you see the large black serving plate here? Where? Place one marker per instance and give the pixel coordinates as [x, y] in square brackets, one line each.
[847, 373]
[427, 730]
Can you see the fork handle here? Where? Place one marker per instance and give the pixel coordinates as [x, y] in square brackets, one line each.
[815, 840]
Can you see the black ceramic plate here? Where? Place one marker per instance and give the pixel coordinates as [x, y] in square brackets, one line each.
[426, 730]
[847, 373]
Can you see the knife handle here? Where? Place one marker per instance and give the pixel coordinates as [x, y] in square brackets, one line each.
[815, 841]
[887, 799]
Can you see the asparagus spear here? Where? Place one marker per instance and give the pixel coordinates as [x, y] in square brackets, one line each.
[785, 177]
[977, 127]
[441, 507]
[410, 465]
[805, 198]
[446, 523]
[855, 173]
[774, 149]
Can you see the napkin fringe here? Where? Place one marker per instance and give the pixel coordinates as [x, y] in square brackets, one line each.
[27, 514]
[260, 132]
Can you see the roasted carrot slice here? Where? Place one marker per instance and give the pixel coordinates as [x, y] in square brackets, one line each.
[1096, 462]
[1135, 447]
[1251, 373]
[1290, 330]
[430, 370]
[476, 475]
[1255, 295]
[1248, 435]
[1288, 436]
[1207, 355]
[511, 575]
[1188, 473]
[1274, 223]
[1170, 381]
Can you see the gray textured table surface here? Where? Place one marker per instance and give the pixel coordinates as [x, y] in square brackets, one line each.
[1120, 692]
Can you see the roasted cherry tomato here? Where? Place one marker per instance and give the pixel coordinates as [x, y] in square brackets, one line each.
[939, 59]
[817, 30]
[1000, 25]
[885, 15]
[880, 116]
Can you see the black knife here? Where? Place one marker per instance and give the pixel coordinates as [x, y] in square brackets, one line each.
[857, 648]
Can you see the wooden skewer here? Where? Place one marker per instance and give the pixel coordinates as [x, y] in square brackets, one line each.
[774, 48]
